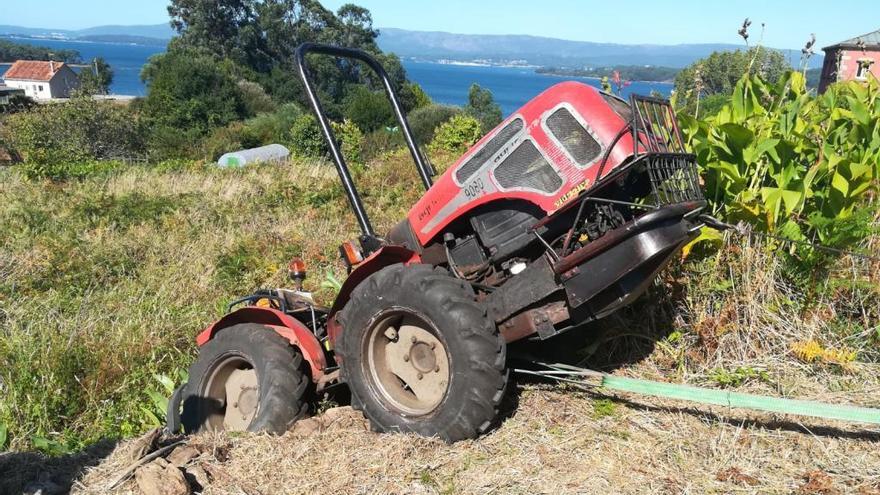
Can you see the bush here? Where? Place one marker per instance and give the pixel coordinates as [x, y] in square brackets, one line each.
[255, 99]
[413, 97]
[787, 162]
[369, 110]
[306, 139]
[234, 137]
[381, 141]
[350, 138]
[425, 121]
[53, 138]
[481, 105]
[457, 134]
[193, 92]
[275, 127]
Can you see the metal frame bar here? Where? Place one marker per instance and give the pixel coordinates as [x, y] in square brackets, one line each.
[424, 170]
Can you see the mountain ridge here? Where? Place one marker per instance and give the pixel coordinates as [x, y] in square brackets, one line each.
[434, 46]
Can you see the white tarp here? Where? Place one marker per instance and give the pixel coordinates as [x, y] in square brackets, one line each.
[272, 152]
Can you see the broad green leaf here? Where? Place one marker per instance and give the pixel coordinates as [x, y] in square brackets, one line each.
[706, 235]
[738, 135]
[791, 199]
[4, 432]
[859, 111]
[791, 230]
[798, 82]
[840, 184]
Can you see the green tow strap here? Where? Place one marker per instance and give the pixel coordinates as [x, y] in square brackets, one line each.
[746, 401]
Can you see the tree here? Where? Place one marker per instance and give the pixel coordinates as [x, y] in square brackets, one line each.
[189, 94]
[718, 74]
[261, 36]
[482, 106]
[96, 79]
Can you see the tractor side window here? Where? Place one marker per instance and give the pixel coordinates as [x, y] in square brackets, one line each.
[490, 149]
[581, 146]
[526, 168]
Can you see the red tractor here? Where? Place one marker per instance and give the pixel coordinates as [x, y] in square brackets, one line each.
[561, 215]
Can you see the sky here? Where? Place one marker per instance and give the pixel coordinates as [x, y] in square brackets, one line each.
[788, 22]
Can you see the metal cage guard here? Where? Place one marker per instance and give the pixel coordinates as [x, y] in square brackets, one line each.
[425, 171]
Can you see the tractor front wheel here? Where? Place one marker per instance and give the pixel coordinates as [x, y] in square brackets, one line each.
[247, 378]
[421, 355]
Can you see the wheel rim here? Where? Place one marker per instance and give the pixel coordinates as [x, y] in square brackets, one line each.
[233, 395]
[407, 364]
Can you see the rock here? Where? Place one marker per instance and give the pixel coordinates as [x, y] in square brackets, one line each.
[143, 445]
[181, 455]
[307, 427]
[161, 478]
[197, 477]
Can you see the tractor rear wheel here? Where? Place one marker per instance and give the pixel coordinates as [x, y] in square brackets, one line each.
[247, 378]
[421, 355]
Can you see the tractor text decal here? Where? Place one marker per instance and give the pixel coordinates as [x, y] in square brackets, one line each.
[574, 191]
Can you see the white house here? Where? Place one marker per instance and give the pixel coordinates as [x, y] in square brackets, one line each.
[42, 80]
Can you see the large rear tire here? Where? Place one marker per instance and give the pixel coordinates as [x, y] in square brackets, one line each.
[247, 378]
[421, 355]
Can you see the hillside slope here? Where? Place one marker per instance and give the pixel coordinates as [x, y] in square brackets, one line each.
[543, 51]
[105, 281]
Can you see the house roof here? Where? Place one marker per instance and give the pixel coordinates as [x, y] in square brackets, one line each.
[33, 70]
[870, 40]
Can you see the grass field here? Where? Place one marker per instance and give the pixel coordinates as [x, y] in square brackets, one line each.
[105, 281]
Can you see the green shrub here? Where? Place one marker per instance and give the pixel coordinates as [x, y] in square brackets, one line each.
[457, 134]
[234, 137]
[481, 105]
[305, 137]
[54, 138]
[370, 110]
[425, 121]
[255, 99]
[381, 141]
[413, 97]
[351, 139]
[798, 165]
[190, 91]
[275, 127]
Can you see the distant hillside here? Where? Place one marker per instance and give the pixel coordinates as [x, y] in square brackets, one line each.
[534, 50]
[148, 34]
[436, 46]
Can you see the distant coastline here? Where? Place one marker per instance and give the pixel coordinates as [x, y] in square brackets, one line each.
[627, 73]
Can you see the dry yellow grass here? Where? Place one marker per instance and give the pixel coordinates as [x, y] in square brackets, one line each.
[554, 443]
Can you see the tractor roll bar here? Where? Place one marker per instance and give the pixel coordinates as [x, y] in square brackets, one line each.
[425, 172]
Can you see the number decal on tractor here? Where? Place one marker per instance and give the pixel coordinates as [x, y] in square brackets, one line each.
[475, 188]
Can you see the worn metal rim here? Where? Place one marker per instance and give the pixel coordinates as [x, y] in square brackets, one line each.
[232, 393]
[406, 362]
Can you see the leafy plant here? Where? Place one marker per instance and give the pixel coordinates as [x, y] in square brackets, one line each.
[739, 376]
[457, 134]
[351, 140]
[53, 139]
[305, 137]
[481, 105]
[154, 410]
[793, 164]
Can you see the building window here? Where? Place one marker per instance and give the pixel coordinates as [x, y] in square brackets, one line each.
[863, 69]
[41, 87]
